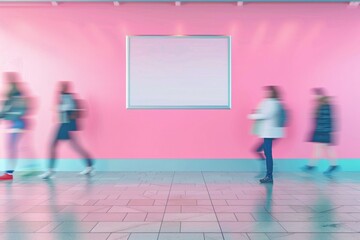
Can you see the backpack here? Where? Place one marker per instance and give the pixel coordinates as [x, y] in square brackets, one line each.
[80, 111]
[283, 116]
[76, 114]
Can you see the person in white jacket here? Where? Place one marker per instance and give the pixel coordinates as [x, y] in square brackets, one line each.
[268, 115]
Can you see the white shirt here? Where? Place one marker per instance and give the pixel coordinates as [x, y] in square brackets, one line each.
[267, 114]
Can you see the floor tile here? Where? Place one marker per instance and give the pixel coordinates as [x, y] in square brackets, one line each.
[119, 236]
[57, 236]
[210, 227]
[70, 227]
[213, 236]
[248, 227]
[173, 227]
[314, 236]
[235, 236]
[143, 236]
[181, 236]
[190, 217]
[135, 217]
[104, 217]
[318, 227]
[147, 227]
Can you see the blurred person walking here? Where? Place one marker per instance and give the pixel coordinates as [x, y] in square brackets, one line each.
[13, 111]
[271, 119]
[69, 112]
[322, 135]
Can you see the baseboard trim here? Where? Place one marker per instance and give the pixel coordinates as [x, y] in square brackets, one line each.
[158, 165]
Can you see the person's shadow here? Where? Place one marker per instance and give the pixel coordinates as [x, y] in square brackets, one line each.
[68, 227]
[265, 203]
[323, 218]
[14, 227]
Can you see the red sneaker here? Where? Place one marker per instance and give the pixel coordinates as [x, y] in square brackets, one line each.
[6, 177]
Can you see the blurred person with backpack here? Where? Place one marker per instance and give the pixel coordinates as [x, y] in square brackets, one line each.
[322, 135]
[271, 119]
[13, 111]
[69, 110]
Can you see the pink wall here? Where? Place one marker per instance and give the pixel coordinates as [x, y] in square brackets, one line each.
[297, 46]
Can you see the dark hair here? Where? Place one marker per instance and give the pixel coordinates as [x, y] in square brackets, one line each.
[65, 87]
[319, 91]
[323, 98]
[274, 92]
[14, 85]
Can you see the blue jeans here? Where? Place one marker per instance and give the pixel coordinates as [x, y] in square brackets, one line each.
[259, 149]
[268, 142]
[12, 145]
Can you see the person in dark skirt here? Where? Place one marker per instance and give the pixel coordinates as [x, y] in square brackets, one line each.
[322, 133]
[69, 112]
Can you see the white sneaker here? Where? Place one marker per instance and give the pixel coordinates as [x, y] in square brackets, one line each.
[47, 174]
[87, 171]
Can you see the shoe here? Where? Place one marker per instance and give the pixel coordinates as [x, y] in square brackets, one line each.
[6, 177]
[331, 169]
[87, 171]
[267, 179]
[308, 168]
[47, 175]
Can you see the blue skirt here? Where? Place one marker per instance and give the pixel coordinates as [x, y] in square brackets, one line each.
[63, 132]
[322, 137]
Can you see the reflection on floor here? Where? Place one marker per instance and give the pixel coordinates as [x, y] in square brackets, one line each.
[184, 206]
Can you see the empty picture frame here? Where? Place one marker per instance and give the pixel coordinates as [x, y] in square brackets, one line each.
[178, 72]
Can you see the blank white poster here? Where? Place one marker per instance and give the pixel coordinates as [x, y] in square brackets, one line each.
[179, 72]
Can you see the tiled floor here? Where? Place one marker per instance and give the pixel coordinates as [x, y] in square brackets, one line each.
[184, 206]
